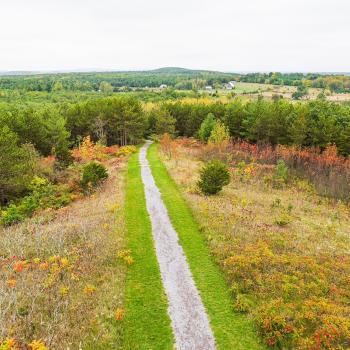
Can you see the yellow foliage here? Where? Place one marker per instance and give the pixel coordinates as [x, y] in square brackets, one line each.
[37, 345]
[8, 344]
[11, 283]
[119, 314]
[89, 290]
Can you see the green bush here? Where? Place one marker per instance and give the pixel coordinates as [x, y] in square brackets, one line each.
[11, 215]
[280, 176]
[93, 174]
[207, 127]
[213, 176]
[44, 195]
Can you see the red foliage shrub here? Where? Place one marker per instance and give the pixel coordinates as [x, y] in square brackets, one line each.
[329, 172]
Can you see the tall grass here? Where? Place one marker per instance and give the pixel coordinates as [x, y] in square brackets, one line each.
[326, 170]
[329, 172]
[283, 250]
[60, 279]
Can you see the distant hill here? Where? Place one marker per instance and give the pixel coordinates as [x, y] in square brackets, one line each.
[17, 73]
[171, 70]
[162, 70]
[179, 70]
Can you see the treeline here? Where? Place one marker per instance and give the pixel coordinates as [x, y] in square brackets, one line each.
[177, 78]
[54, 128]
[335, 83]
[181, 79]
[29, 131]
[312, 124]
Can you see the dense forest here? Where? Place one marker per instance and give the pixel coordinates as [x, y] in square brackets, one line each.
[179, 78]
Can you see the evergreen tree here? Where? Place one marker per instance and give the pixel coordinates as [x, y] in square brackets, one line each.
[16, 166]
[207, 127]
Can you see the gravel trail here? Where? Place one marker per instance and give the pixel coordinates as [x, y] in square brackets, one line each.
[188, 317]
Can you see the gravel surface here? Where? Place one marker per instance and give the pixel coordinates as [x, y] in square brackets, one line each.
[189, 320]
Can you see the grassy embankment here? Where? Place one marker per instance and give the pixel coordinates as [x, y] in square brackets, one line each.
[231, 330]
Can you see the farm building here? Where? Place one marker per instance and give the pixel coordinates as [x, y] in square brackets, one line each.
[230, 85]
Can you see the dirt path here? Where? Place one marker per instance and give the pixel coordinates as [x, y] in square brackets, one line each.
[189, 319]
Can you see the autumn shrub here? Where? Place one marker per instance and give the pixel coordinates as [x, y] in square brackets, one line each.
[46, 167]
[213, 177]
[126, 151]
[93, 174]
[169, 146]
[298, 300]
[219, 133]
[245, 171]
[89, 150]
[327, 171]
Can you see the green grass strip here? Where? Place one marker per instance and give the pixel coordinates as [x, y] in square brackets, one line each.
[232, 330]
[146, 323]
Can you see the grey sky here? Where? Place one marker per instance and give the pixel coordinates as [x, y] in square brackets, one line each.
[231, 35]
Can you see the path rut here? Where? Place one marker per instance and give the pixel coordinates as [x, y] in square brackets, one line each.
[188, 316]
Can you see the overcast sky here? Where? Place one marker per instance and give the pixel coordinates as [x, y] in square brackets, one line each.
[228, 35]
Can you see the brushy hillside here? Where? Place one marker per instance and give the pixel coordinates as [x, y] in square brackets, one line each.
[283, 249]
[62, 281]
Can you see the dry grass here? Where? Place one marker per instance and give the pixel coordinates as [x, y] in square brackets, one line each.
[61, 279]
[284, 251]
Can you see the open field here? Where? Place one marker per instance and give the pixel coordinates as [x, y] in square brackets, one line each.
[269, 90]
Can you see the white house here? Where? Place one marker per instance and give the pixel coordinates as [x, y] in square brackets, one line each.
[230, 85]
[209, 88]
[163, 86]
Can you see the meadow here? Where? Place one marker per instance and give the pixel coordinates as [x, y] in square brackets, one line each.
[284, 250]
[271, 91]
[60, 269]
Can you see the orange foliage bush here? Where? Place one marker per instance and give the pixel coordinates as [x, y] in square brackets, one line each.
[168, 146]
[329, 172]
[88, 151]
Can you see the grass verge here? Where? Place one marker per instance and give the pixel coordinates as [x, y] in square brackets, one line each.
[146, 322]
[231, 330]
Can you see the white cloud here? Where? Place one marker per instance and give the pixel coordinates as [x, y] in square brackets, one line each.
[283, 35]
